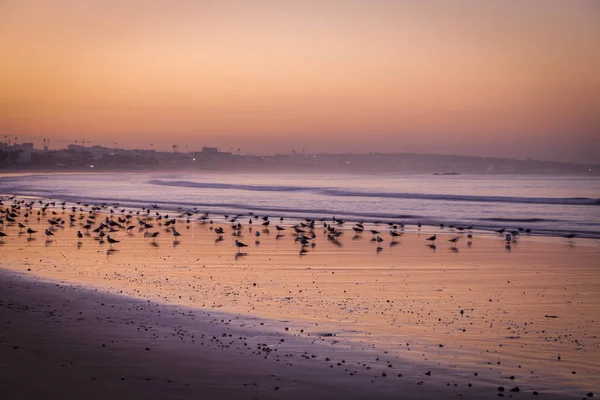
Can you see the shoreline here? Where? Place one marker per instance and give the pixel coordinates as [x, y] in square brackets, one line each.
[516, 226]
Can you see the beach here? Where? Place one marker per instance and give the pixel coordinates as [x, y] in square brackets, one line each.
[302, 200]
[349, 317]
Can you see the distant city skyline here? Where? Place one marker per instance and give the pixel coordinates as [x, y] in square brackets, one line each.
[494, 79]
[39, 144]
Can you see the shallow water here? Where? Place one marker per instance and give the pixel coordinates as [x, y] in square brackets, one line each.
[547, 205]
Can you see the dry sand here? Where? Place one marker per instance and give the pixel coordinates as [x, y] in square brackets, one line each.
[476, 315]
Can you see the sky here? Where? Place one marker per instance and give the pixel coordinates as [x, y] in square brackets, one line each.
[512, 78]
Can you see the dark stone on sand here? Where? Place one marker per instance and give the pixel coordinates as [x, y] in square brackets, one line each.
[515, 389]
[590, 394]
[501, 388]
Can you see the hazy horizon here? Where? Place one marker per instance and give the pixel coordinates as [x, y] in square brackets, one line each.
[507, 79]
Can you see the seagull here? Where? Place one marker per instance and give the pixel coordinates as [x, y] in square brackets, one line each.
[432, 238]
[111, 241]
[454, 240]
[395, 234]
[30, 232]
[2, 234]
[79, 234]
[153, 236]
[304, 240]
[507, 241]
[176, 234]
[279, 228]
[239, 244]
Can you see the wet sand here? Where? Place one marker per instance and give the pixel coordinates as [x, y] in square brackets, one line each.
[477, 315]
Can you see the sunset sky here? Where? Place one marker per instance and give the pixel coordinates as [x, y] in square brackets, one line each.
[492, 78]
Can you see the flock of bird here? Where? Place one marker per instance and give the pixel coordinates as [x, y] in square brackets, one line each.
[105, 220]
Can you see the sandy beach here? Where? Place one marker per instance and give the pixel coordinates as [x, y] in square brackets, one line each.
[299, 200]
[351, 318]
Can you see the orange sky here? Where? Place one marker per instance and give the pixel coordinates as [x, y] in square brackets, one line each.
[507, 78]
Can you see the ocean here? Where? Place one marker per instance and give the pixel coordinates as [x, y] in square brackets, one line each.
[548, 205]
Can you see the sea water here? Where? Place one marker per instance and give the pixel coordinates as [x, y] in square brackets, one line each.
[548, 205]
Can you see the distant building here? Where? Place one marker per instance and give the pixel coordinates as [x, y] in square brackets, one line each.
[75, 147]
[24, 147]
[25, 150]
[209, 150]
[212, 155]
